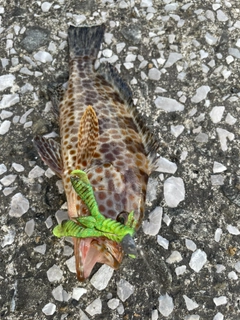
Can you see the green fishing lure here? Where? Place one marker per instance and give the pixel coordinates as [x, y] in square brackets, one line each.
[96, 225]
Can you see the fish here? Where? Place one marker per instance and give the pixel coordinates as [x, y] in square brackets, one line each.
[103, 134]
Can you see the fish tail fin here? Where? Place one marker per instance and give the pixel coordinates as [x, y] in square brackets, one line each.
[85, 41]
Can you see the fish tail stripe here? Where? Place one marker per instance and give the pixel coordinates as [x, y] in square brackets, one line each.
[85, 41]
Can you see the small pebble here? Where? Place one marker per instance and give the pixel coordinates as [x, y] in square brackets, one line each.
[41, 249]
[19, 205]
[49, 309]
[46, 6]
[18, 167]
[190, 245]
[180, 270]
[190, 304]
[95, 307]
[174, 257]
[54, 273]
[102, 277]
[198, 260]
[4, 127]
[29, 227]
[220, 300]
[166, 305]
[124, 289]
[113, 303]
[153, 224]
[78, 292]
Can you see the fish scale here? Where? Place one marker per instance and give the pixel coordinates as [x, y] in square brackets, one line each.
[101, 133]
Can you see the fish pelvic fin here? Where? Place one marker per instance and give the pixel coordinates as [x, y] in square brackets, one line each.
[50, 152]
[85, 41]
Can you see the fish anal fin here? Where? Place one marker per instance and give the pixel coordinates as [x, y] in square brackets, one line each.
[49, 151]
[87, 137]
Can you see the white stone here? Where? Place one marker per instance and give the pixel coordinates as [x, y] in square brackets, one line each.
[120, 46]
[221, 16]
[198, 260]
[95, 307]
[41, 249]
[171, 6]
[230, 119]
[154, 74]
[6, 81]
[201, 94]
[190, 245]
[78, 292]
[168, 104]
[29, 227]
[43, 56]
[190, 304]
[46, 6]
[146, 3]
[9, 237]
[234, 52]
[218, 234]
[173, 58]
[102, 277]
[164, 165]
[23, 118]
[232, 275]
[82, 315]
[162, 242]
[180, 270]
[237, 266]
[130, 57]
[4, 127]
[113, 303]
[49, 309]
[108, 37]
[36, 172]
[60, 186]
[217, 180]
[79, 18]
[71, 264]
[3, 168]
[218, 316]
[167, 219]
[233, 230]
[216, 114]
[229, 59]
[9, 100]
[166, 305]
[5, 114]
[220, 300]
[107, 53]
[123, 4]
[58, 293]
[151, 189]
[9, 179]
[124, 289]
[67, 251]
[19, 205]
[218, 167]
[210, 39]
[153, 224]
[128, 65]
[61, 215]
[174, 191]
[49, 222]
[177, 130]
[223, 136]
[174, 257]
[18, 167]
[54, 273]
[192, 317]
[220, 268]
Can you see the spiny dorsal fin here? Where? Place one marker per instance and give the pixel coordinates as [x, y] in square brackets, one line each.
[87, 138]
[50, 152]
[111, 75]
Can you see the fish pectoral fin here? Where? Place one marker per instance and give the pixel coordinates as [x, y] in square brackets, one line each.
[87, 137]
[49, 151]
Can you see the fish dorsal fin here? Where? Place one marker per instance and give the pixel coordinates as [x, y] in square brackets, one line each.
[87, 138]
[151, 143]
[50, 152]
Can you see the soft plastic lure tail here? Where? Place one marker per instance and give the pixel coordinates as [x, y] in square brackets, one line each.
[96, 225]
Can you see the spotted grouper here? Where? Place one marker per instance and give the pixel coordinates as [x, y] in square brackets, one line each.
[102, 134]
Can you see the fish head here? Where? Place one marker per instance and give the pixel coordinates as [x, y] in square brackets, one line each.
[90, 251]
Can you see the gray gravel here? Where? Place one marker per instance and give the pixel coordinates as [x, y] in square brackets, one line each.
[181, 59]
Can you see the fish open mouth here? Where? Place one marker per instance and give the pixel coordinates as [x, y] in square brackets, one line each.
[90, 251]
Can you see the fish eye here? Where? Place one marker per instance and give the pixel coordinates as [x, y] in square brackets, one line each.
[122, 217]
